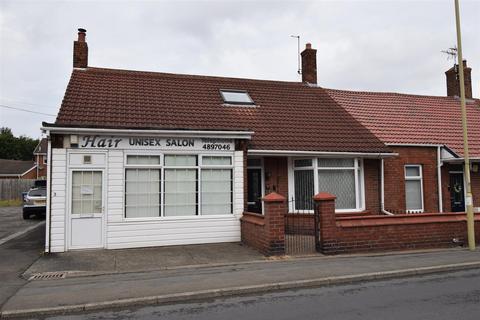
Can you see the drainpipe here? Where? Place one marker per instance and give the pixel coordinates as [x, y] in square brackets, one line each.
[382, 189]
[48, 241]
[439, 174]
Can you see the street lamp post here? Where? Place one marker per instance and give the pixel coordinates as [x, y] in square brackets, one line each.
[469, 198]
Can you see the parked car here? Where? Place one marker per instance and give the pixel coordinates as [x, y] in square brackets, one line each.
[35, 202]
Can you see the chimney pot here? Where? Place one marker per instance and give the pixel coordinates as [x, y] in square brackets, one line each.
[309, 64]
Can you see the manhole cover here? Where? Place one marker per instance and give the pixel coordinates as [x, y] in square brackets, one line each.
[48, 276]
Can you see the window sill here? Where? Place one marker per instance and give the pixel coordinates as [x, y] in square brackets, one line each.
[182, 218]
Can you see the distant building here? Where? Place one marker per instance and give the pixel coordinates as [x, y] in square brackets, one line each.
[17, 169]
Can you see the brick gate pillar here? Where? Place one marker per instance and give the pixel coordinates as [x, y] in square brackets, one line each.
[275, 208]
[325, 209]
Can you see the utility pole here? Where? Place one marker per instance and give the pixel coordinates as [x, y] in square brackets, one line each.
[469, 198]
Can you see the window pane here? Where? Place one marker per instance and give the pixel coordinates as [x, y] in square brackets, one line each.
[413, 194]
[180, 160]
[236, 97]
[340, 183]
[335, 163]
[216, 191]
[304, 189]
[86, 192]
[302, 163]
[412, 171]
[215, 161]
[136, 159]
[180, 192]
[142, 193]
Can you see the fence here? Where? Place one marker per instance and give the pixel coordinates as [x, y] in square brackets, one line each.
[11, 189]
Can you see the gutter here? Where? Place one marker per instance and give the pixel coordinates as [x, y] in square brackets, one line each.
[143, 132]
[48, 238]
[375, 155]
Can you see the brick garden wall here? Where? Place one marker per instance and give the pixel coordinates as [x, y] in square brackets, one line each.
[382, 233]
[266, 232]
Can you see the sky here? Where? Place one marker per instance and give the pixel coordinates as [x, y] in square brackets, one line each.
[392, 46]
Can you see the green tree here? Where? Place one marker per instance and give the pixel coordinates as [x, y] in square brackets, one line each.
[16, 148]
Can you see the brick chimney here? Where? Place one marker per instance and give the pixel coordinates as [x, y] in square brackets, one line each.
[309, 64]
[80, 50]
[453, 81]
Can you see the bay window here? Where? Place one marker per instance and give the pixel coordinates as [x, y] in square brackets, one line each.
[180, 185]
[340, 177]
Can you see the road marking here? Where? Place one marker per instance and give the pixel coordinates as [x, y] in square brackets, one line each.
[20, 233]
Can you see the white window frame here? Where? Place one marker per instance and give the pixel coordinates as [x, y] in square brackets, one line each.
[162, 168]
[358, 168]
[414, 178]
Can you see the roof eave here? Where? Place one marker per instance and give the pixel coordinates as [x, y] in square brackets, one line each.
[228, 134]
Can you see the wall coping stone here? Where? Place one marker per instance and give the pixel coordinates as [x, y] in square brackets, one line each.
[273, 197]
[324, 196]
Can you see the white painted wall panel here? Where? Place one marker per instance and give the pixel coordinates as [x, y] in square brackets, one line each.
[58, 201]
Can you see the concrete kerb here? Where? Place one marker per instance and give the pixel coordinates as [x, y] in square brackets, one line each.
[241, 290]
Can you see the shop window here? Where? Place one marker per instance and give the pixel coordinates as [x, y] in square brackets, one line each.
[142, 193]
[183, 185]
[414, 188]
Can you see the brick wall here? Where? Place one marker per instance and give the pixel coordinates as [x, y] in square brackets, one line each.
[276, 175]
[475, 180]
[381, 233]
[266, 232]
[395, 177]
[372, 185]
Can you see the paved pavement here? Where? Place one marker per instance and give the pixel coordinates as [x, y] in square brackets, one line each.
[16, 256]
[442, 297]
[166, 286]
[143, 259]
[12, 221]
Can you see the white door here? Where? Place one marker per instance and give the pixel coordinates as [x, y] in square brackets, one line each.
[86, 209]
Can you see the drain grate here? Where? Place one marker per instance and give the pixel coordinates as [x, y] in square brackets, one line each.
[48, 276]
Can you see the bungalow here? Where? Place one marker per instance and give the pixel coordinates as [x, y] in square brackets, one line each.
[17, 169]
[150, 159]
[426, 133]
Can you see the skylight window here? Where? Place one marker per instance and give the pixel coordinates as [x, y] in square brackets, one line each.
[236, 97]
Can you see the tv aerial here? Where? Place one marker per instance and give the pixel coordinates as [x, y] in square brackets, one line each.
[451, 53]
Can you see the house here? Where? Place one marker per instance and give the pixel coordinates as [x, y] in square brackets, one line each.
[17, 169]
[426, 133]
[151, 159]
[40, 154]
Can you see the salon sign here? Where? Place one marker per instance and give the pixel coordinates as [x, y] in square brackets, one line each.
[144, 142]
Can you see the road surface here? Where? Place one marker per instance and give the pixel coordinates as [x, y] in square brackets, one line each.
[441, 296]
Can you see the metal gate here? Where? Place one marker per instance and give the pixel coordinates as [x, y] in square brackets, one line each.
[301, 229]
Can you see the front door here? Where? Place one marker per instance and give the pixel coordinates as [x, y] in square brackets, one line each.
[86, 209]
[457, 193]
[254, 183]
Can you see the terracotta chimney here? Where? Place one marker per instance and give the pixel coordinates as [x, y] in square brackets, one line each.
[453, 82]
[80, 50]
[309, 64]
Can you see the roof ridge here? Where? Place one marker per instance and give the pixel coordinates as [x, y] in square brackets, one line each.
[398, 94]
[185, 75]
